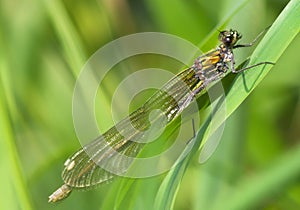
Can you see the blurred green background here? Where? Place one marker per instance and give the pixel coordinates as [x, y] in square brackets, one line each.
[43, 46]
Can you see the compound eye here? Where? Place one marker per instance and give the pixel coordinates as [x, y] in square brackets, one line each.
[223, 36]
[228, 39]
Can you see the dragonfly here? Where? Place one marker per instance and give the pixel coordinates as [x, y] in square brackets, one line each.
[82, 170]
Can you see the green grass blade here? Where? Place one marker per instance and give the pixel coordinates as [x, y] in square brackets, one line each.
[67, 34]
[272, 46]
[260, 187]
[167, 192]
[280, 35]
[14, 191]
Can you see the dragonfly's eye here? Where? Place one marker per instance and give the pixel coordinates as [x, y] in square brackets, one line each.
[229, 38]
[226, 37]
[236, 35]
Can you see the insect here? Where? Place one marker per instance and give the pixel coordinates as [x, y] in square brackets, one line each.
[82, 169]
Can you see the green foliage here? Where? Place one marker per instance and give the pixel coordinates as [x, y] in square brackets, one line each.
[43, 46]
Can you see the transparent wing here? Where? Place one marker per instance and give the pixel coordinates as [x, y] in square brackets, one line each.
[115, 147]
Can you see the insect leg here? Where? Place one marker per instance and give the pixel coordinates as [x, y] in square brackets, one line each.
[254, 41]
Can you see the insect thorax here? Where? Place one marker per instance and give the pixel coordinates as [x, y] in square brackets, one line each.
[214, 64]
